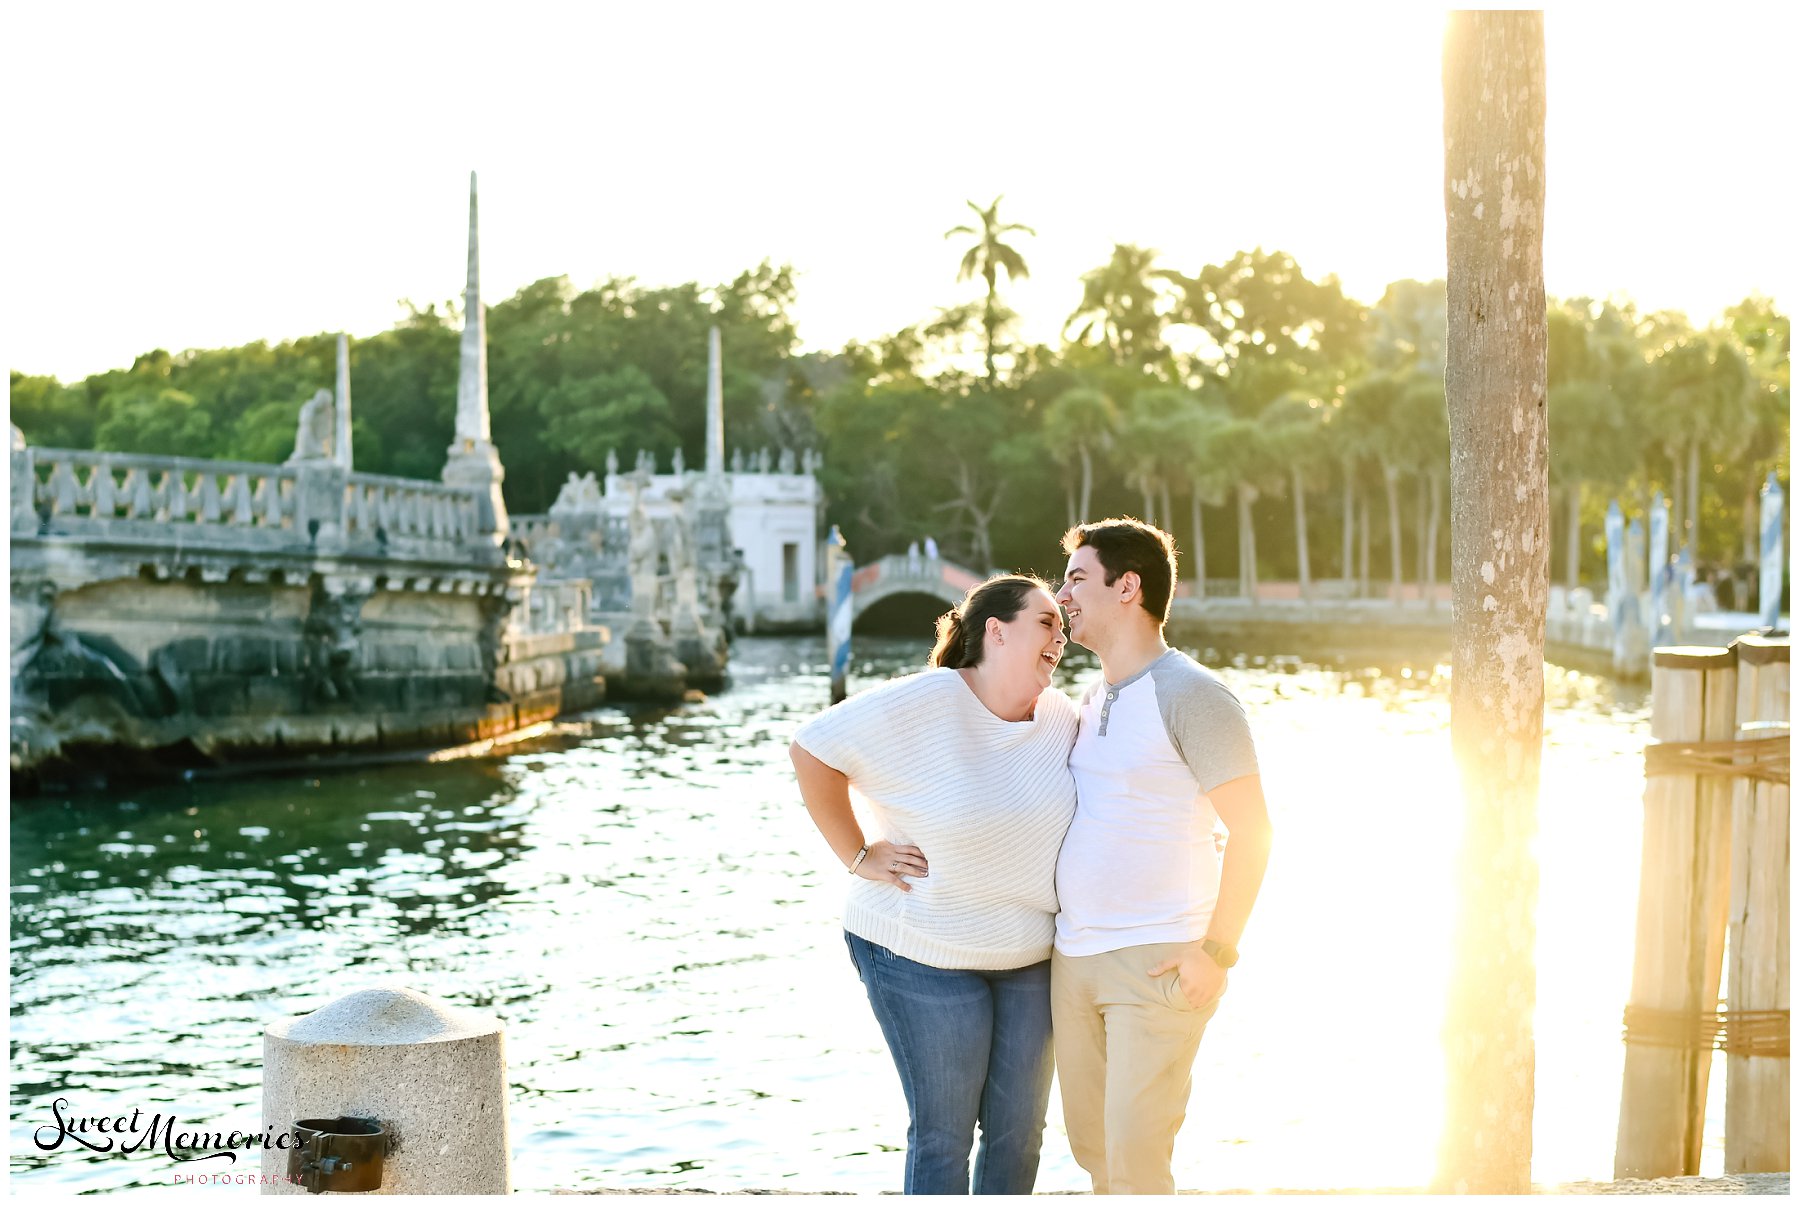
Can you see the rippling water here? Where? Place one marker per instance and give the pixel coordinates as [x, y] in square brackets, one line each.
[641, 899]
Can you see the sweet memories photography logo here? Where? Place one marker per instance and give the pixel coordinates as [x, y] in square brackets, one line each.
[127, 1134]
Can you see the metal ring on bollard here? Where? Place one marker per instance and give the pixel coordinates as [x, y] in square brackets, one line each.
[343, 1154]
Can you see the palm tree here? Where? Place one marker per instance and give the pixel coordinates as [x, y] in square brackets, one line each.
[1198, 463]
[987, 258]
[1243, 450]
[1119, 300]
[1424, 450]
[1374, 404]
[1294, 425]
[1704, 391]
[1764, 336]
[1081, 421]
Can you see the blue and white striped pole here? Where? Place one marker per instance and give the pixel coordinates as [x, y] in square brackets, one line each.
[1658, 619]
[838, 570]
[1774, 560]
[1616, 588]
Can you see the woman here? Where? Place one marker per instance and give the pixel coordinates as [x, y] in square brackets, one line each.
[964, 773]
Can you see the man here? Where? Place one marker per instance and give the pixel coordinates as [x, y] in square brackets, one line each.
[1151, 909]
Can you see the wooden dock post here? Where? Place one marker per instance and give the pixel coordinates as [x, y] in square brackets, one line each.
[1683, 895]
[1756, 1038]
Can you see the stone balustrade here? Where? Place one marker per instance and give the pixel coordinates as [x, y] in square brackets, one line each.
[308, 506]
[379, 507]
[74, 489]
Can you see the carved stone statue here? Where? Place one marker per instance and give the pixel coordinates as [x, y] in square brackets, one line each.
[737, 460]
[318, 422]
[333, 631]
[762, 460]
[612, 463]
[568, 498]
[642, 557]
[787, 461]
[680, 463]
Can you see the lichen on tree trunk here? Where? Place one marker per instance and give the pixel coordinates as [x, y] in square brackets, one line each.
[1495, 382]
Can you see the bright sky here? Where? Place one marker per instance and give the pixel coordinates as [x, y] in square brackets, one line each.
[201, 176]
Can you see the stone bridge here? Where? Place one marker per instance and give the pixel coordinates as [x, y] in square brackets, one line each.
[895, 575]
[174, 610]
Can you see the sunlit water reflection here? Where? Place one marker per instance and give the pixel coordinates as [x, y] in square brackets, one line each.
[643, 903]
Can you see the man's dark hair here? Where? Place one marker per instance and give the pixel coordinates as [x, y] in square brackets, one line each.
[1131, 546]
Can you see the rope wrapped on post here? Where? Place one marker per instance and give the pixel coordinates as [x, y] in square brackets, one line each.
[1762, 1033]
[1765, 758]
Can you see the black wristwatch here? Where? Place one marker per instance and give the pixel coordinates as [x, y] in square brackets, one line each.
[1226, 956]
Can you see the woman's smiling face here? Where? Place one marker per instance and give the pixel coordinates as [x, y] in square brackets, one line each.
[1032, 642]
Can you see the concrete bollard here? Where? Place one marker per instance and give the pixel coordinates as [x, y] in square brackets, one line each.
[432, 1074]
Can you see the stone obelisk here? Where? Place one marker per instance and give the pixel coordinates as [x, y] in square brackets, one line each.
[715, 407]
[473, 461]
[340, 445]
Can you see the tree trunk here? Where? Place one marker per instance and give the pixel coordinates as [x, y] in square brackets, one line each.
[1390, 476]
[1495, 383]
[1349, 523]
[1424, 503]
[1691, 536]
[1069, 499]
[1431, 541]
[1752, 519]
[1149, 511]
[1300, 534]
[1572, 555]
[1199, 545]
[1087, 483]
[1246, 543]
[989, 322]
[1362, 590]
[1675, 497]
[1168, 511]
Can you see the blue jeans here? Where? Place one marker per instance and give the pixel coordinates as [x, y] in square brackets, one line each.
[972, 1047]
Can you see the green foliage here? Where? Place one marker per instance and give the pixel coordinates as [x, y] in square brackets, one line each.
[1165, 386]
[164, 422]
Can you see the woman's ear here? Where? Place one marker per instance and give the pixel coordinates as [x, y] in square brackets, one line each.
[996, 629]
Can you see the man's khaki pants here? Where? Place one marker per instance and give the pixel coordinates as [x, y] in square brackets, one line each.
[1125, 1046]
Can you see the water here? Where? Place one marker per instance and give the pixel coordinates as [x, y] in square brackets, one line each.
[641, 899]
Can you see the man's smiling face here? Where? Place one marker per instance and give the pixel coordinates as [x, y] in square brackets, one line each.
[1086, 598]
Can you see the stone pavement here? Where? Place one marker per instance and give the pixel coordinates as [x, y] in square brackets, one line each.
[1760, 1184]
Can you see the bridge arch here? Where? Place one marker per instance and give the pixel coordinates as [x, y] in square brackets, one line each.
[895, 575]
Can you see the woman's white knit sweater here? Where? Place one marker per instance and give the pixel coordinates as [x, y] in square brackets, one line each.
[985, 799]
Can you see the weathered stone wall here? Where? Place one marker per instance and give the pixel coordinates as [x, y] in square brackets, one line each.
[175, 611]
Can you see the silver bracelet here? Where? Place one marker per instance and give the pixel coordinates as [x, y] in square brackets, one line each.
[857, 861]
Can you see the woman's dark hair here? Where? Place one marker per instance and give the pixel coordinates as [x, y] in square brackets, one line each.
[1132, 546]
[960, 631]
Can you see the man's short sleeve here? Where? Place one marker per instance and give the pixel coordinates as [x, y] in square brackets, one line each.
[1205, 722]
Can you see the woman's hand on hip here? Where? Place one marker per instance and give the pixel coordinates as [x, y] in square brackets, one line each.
[890, 863]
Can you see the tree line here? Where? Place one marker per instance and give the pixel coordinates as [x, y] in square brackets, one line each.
[1258, 413]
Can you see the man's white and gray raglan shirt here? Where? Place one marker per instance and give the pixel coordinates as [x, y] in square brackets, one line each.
[1140, 863]
[985, 799]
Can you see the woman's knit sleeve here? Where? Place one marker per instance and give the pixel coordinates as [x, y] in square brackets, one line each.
[848, 734]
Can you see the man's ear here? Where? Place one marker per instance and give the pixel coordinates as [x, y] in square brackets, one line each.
[1130, 585]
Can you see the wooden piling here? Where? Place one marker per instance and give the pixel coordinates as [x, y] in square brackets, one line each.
[1756, 1042]
[1683, 898]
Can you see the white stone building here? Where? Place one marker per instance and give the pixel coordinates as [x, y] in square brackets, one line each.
[774, 523]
